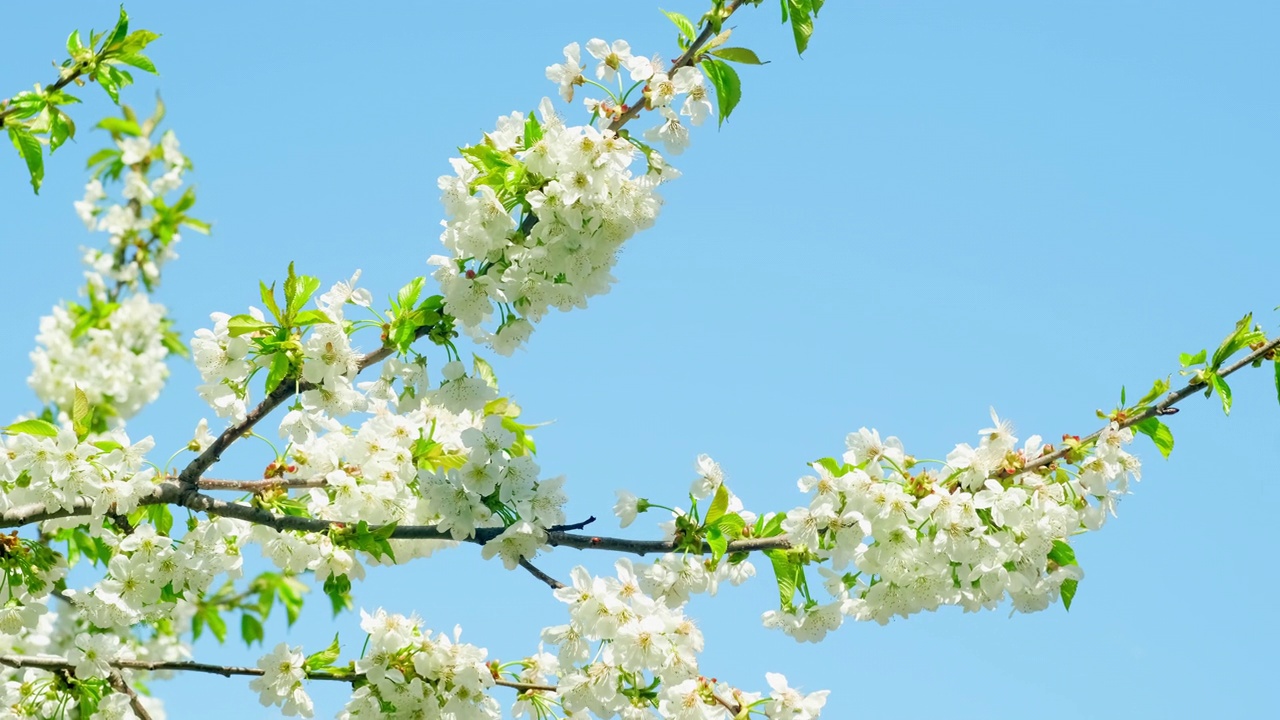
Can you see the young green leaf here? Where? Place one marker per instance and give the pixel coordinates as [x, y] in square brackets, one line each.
[1241, 337]
[1062, 554]
[324, 658]
[739, 55]
[727, 84]
[1069, 592]
[251, 630]
[484, 371]
[1220, 386]
[29, 148]
[683, 24]
[1159, 433]
[719, 505]
[33, 426]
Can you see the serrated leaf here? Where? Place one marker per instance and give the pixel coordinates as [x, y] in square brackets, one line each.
[138, 60]
[34, 426]
[310, 317]
[682, 23]
[61, 129]
[1277, 364]
[786, 571]
[118, 33]
[73, 43]
[251, 630]
[216, 624]
[484, 371]
[80, 407]
[800, 12]
[269, 299]
[1240, 338]
[408, 295]
[727, 84]
[324, 658]
[739, 55]
[238, 325]
[1159, 433]
[1062, 554]
[1187, 359]
[1069, 592]
[29, 148]
[120, 125]
[719, 505]
[276, 374]
[532, 130]
[1220, 386]
[718, 543]
[1159, 388]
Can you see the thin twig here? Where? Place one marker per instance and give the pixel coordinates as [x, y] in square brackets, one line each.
[119, 685]
[1160, 408]
[534, 571]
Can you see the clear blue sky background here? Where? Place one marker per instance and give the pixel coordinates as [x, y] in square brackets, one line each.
[942, 207]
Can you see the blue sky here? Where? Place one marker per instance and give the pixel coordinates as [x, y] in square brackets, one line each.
[941, 208]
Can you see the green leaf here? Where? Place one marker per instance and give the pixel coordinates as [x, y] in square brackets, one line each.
[33, 426]
[324, 658]
[73, 43]
[138, 60]
[118, 32]
[61, 128]
[683, 24]
[1277, 364]
[29, 148]
[1187, 359]
[102, 156]
[739, 55]
[238, 325]
[1159, 388]
[1239, 339]
[310, 317]
[408, 295]
[161, 517]
[138, 40]
[719, 504]
[214, 620]
[1062, 554]
[1159, 433]
[728, 87]
[1069, 592]
[251, 630]
[1220, 386]
[109, 82]
[80, 408]
[800, 13]
[718, 543]
[532, 130]
[484, 371]
[120, 125]
[787, 572]
[269, 299]
[279, 369]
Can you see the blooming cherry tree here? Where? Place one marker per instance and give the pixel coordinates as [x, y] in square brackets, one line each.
[388, 456]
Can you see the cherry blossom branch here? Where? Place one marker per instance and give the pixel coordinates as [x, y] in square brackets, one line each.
[685, 60]
[191, 474]
[76, 71]
[1162, 407]
[56, 662]
[257, 486]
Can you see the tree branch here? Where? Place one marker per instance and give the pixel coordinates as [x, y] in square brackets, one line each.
[135, 702]
[1160, 408]
[553, 583]
[55, 662]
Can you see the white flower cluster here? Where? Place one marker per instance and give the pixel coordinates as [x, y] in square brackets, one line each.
[59, 472]
[124, 220]
[329, 362]
[370, 474]
[589, 204]
[412, 674]
[621, 637]
[281, 681]
[580, 188]
[145, 562]
[978, 530]
[119, 362]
